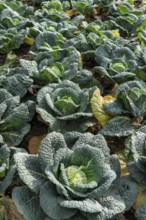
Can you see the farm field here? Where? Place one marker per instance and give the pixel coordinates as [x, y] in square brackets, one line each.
[72, 110]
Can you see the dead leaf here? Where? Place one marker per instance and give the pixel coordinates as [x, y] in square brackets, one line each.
[137, 121]
[34, 144]
[11, 212]
[71, 12]
[141, 197]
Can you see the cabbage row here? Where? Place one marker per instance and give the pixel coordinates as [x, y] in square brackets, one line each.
[82, 74]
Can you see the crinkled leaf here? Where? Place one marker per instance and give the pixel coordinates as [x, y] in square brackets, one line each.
[127, 189]
[29, 170]
[49, 203]
[48, 147]
[87, 205]
[28, 203]
[16, 84]
[140, 213]
[97, 141]
[136, 173]
[15, 136]
[111, 204]
[118, 127]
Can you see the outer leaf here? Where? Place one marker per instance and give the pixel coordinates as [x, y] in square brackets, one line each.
[111, 204]
[28, 203]
[29, 171]
[15, 136]
[8, 179]
[87, 205]
[127, 189]
[118, 126]
[48, 147]
[140, 213]
[136, 173]
[49, 203]
[16, 81]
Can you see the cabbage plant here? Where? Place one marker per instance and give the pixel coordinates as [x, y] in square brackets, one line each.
[73, 175]
[137, 146]
[130, 99]
[64, 105]
[115, 63]
[136, 151]
[14, 118]
[7, 166]
[129, 105]
[15, 80]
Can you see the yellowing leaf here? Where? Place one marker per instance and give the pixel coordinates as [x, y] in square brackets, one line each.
[107, 98]
[124, 171]
[34, 144]
[28, 40]
[71, 12]
[97, 105]
[141, 197]
[8, 209]
[115, 33]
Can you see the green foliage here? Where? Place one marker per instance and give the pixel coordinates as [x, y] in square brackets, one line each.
[58, 60]
[130, 99]
[119, 126]
[59, 104]
[140, 213]
[14, 117]
[137, 147]
[7, 166]
[73, 179]
[115, 63]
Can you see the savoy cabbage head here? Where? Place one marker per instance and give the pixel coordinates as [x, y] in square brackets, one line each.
[129, 105]
[64, 105]
[72, 173]
[130, 99]
[55, 65]
[115, 63]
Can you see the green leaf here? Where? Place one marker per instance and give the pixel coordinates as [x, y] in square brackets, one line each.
[140, 213]
[127, 189]
[29, 170]
[123, 9]
[8, 179]
[48, 148]
[49, 202]
[15, 137]
[118, 127]
[92, 161]
[111, 204]
[86, 205]
[134, 101]
[28, 203]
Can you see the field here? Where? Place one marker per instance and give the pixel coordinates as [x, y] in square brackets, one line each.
[72, 110]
